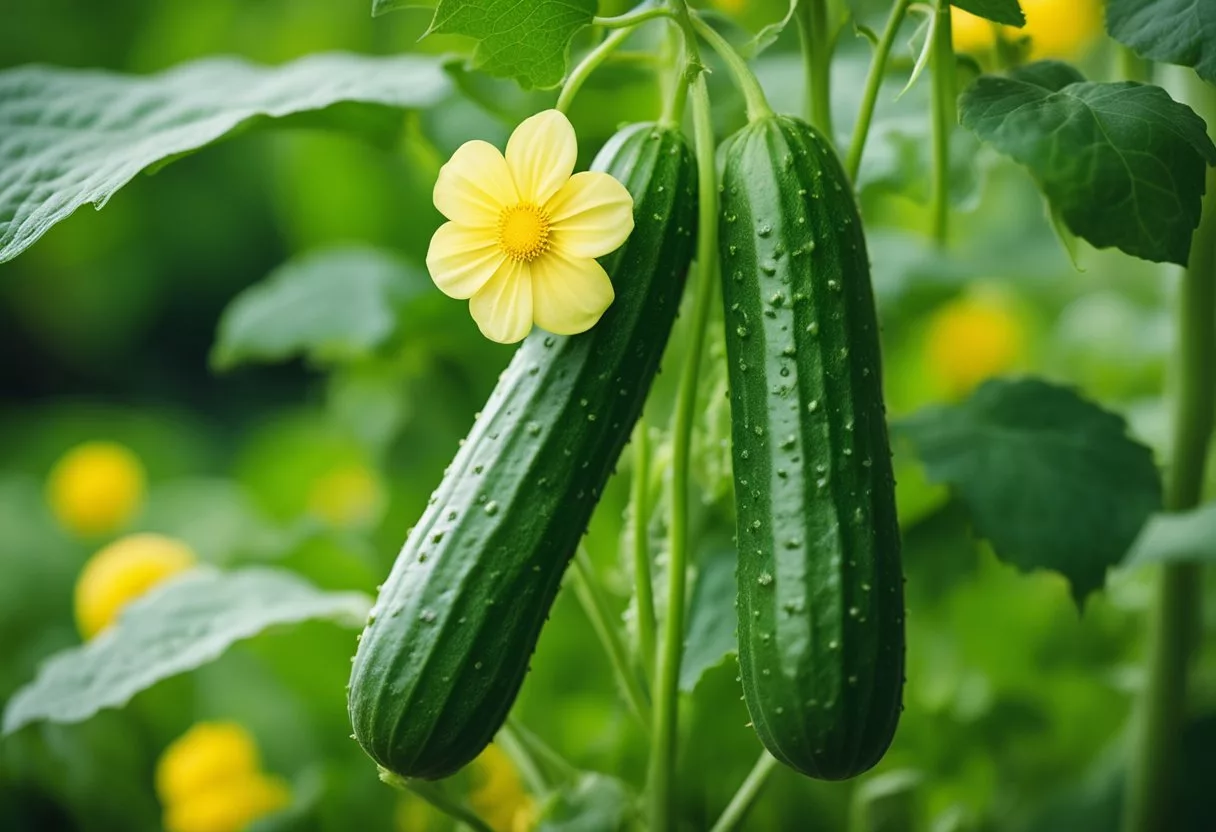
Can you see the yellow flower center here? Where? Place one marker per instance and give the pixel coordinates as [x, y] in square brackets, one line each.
[523, 232]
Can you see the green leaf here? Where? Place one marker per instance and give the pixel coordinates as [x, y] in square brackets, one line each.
[215, 517]
[767, 36]
[331, 305]
[70, 136]
[1050, 479]
[592, 803]
[1183, 537]
[1173, 31]
[176, 627]
[380, 7]
[1008, 12]
[1123, 163]
[712, 621]
[528, 40]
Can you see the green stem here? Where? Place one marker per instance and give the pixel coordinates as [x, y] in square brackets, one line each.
[945, 117]
[633, 18]
[434, 794]
[1134, 68]
[667, 693]
[739, 805]
[591, 597]
[523, 760]
[817, 43]
[589, 64]
[558, 766]
[869, 98]
[1153, 771]
[753, 93]
[644, 589]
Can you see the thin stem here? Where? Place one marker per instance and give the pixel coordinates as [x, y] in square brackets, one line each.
[869, 98]
[589, 64]
[633, 18]
[739, 805]
[945, 117]
[1134, 68]
[523, 759]
[644, 589]
[1153, 770]
[753, 93]
[434, 794]
[541, 750]
[817, 43]
[661, 780]
[591, 598]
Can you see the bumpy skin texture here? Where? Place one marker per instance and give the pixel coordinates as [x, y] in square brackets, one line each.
[451, 634]
[821, 611]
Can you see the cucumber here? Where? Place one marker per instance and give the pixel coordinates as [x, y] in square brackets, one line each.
[821, 612]
[448, 642]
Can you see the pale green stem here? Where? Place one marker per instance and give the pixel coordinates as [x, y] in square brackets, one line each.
[753, 94]
[591, 598]
[541, 750]
[1154, 769]
[589, 64]
[521, 756]
[945, 117]
[644, 588]
[869, 98]
[739, 805]
[661, 779]
[434, 794]
[817, 43]
[633, 18]
[1134, 68]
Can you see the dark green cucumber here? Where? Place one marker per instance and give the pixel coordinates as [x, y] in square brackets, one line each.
[821, 611]
[449, 640]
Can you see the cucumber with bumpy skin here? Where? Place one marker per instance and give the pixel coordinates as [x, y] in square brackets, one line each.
[821, 614]
[451, 634]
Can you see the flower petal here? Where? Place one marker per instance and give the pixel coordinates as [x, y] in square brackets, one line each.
[461, 259]
[590, 216]
[541, 155]
[503, 307]
[475, 185]
[569, 294]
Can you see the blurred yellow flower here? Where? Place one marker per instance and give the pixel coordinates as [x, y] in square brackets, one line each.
[498, 794]
[1056, 29]
[350, 496]
[204, 757]
[123, 571]
[524, 233]
[210, 780]
[971, 339]
[229, 807]
[96, 488]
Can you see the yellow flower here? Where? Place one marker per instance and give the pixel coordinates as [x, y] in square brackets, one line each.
[347, 497]
[210, 753]
[498, 793]
[971, 339]
[123, 571]
[524, 233]
[229, 807]
[96, 488]
[1061, 28]
[210, 780]
[1055, 28]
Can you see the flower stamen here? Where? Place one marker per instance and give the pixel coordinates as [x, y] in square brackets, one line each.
[523, 232]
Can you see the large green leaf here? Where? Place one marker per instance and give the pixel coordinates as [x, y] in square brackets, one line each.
[1002, 11]
[331, 305]
[1123, 164]
[1188, 536]
[176, 627]
[712, 619]
[1050, 479]
[1173, 31]
[528, 40]
[70, 136]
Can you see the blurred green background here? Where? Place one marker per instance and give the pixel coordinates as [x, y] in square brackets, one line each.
[1016, 706]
